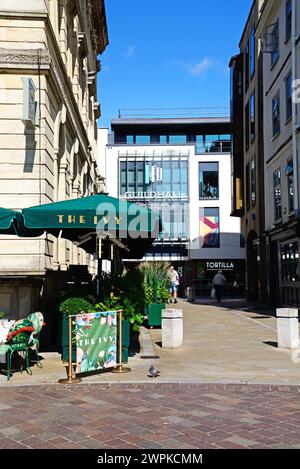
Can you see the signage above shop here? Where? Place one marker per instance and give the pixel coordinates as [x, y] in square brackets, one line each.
[220, 265]
[155, 195]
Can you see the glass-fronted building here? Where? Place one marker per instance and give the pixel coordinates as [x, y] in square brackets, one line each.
[180, 168]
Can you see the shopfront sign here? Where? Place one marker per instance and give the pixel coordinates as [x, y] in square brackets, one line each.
[155, 195]
[219, 265]
[96, 341]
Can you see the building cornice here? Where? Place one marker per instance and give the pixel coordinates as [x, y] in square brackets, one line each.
[20, 58]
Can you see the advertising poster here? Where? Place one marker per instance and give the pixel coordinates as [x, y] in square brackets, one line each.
[96, 341]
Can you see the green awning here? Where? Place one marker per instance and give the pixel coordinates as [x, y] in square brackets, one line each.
[77, 219]
[7, 217]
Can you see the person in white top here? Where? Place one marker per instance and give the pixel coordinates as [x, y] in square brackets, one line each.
[174, 282]
[218, 284]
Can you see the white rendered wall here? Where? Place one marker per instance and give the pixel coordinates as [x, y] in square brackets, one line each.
[230, 227]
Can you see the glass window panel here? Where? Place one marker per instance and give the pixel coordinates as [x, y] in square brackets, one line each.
[208, 180]
[163, 139]
[142, 139]
[129, 139]
[276, 114]
[184, 189]
[177, 138]
[252, 117]
[288, 30]
[123, 177]
[210, 227]
[252, 52]
[275, 53]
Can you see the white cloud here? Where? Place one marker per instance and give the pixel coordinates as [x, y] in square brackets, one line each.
[199, 68]
[129, 52]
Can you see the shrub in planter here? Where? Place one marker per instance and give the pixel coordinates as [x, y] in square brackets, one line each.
[71, 306]
[156, 290]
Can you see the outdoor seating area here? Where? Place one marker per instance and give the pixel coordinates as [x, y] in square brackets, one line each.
[17, 340]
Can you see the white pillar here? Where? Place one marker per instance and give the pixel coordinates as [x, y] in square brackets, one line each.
[172, 328]
[287, 328]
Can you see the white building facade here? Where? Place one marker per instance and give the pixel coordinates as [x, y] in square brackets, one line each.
[180, 168]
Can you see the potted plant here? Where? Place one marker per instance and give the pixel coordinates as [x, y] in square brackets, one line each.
[73, 306]
[156, 290]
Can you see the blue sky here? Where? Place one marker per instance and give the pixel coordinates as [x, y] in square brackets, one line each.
[168, 53]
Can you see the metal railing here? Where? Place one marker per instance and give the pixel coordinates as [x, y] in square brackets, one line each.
[152, 113]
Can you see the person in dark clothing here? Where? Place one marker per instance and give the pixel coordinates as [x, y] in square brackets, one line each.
[218, 284]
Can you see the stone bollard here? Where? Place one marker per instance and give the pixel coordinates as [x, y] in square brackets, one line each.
[287, 328]
[172, 328]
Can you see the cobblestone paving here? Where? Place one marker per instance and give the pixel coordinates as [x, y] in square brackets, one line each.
[150, 416]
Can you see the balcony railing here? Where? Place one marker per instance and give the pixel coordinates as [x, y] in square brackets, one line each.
[169, 113]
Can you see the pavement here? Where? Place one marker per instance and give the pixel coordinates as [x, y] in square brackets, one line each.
[228, 386]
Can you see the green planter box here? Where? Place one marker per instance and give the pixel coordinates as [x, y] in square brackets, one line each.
[65, 341]
[154, 314]
[125, 341]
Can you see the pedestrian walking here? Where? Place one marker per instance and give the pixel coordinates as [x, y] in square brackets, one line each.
[174, 282]
[218, 285]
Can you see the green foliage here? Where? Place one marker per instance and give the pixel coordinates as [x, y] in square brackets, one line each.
[2, 314]
[75, 305]
[156, 282]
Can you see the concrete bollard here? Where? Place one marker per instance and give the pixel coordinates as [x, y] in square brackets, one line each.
[287, 328]
[172, 328]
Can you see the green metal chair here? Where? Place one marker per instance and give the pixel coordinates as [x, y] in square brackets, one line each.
[18, 340]
[37, 320]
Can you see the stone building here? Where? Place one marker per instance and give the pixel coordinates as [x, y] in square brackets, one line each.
[48, 134]
[267, 104]
[248, 153]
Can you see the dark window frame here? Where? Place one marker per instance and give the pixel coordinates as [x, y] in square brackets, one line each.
[217, 197]
[247, 65]
[276, 52]
[252, 117]
[288, 96]
[252, 52]
[288, 20]
[276, 124]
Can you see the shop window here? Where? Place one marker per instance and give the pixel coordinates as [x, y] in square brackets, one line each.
[277, 195]
[208, 180]
[289, 254]
[210, 227]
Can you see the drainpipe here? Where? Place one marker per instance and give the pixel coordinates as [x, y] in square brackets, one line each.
[294, 113]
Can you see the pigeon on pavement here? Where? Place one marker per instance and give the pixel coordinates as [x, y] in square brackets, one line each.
[153, 373]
